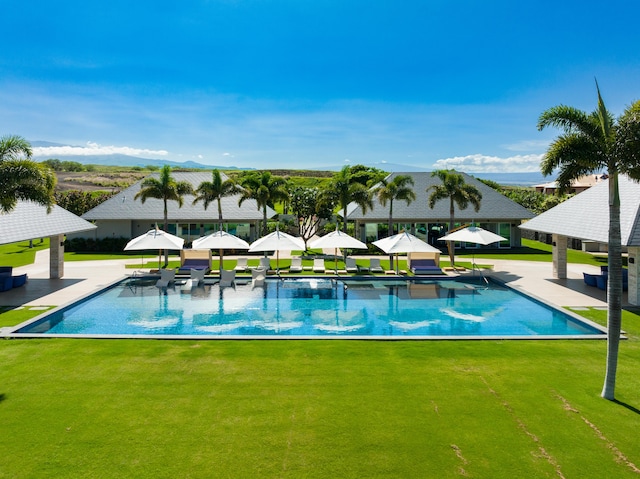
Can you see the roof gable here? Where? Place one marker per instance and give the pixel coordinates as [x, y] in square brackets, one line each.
[493, 207]
[29, 220]
[586, 215]
[122, 206]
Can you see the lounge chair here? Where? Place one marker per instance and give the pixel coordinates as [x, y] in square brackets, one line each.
[318, 265]
[425, 266]
[19, 280]
[6, 283]
[374, 266]
[258, 275]
[166, 276]
[197, 276]
[241, 265]
[296, 265]
[351, 266]
[590, 279]
[265, 263]
[227, 277]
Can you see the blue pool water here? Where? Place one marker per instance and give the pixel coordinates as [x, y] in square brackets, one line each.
[311, 308]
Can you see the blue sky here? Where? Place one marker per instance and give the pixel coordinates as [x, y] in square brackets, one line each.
[300, 84]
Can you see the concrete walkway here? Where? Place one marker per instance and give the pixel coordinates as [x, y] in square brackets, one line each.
[84, 277]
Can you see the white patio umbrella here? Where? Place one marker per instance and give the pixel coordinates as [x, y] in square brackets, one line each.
[404, 243]
[337, 239]
[220, 240]
[277, 241]
[473, 234]
[155, 239]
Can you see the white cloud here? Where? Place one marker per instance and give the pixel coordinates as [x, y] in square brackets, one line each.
[491, 164]
[96, 149]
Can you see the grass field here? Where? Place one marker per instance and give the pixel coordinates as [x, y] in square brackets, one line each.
[73, 408]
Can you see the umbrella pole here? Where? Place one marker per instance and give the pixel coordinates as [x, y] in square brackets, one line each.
[335, 257]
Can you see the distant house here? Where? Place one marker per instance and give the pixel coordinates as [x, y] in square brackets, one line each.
[123, 216]
[577, 186]
[497, 213]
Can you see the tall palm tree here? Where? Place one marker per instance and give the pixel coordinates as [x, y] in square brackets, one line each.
[397, 189]
[458, 192]
[591, 142]
[266, 190]
[215, 190]
[164, 188]
[21, 178]
[345, 188]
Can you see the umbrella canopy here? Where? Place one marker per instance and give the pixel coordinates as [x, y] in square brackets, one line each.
[473, 234]
[155, 239]
[337, 239]
[220, 240]
[404, 243]
[277, 241]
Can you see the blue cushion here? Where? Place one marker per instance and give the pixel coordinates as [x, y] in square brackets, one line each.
[19, 280]
[6, 283]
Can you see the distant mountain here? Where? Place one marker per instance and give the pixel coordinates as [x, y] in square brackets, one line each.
[119, 159]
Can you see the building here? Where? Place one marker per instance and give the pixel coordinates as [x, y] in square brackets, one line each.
[586, 217]
[29, 221]
[124, 216]
[577, 186]
[497, 213]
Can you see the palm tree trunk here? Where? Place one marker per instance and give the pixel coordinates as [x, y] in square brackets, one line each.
[166, 226]
[344, 219]
[451, 225]
[614, 290]
[220, 252]
[390, 233]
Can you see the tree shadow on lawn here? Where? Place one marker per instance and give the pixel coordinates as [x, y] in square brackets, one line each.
[628, 406]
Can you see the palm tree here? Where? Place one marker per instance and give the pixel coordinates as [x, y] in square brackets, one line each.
[215, 190]
[266, 190]
[458, 192]
[397, 189]
[344, 189]
[164, 188]
[21, 178]
[590, 143]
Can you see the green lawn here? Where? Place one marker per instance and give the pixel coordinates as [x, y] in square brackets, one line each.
[316, 409]
[126, 408]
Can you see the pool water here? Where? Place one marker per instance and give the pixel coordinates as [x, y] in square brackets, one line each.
[311, 308]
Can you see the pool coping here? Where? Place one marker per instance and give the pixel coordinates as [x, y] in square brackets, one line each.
[10, 332]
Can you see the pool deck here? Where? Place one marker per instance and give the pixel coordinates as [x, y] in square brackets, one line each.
[84, 277]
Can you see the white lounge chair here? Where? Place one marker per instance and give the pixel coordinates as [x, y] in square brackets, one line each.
[241, 264]
[296, 265]
[318, 266]
[166, 276]
[351, 266]
[374, 266]
[258, 275]
[227, 277]
[265, 263]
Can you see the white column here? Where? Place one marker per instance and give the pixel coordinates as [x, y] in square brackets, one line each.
[634, 272]
[56, 256]
[559, 256]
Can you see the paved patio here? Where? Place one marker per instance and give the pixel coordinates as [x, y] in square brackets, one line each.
[82, 278]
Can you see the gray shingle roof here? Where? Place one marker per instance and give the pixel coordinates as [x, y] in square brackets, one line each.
[123, 207]
[30, 220]
[586, 215]
[493, 207]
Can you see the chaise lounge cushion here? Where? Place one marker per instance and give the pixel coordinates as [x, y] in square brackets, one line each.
[6, 283]
[194, 263]
[424, 266]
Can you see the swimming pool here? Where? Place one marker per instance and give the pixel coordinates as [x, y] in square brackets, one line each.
[311, 308]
